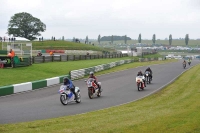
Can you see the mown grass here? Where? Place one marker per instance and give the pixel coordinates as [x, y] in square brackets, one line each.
[174, 109]
[64, 45]
[47, 70]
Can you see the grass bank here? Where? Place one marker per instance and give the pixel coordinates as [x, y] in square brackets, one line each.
[173, 109]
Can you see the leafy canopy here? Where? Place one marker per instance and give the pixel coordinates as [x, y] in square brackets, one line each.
[25, 25]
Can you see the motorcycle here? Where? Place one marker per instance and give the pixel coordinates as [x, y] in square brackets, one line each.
[66, 96]
[147, 77]
[140, 82]
[93, 88]
[184, 66]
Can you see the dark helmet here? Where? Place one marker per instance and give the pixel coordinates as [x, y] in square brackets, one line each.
[65, 80]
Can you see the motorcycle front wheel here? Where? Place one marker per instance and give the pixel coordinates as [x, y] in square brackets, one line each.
[138, 86]
[64, 99]
[90, 93]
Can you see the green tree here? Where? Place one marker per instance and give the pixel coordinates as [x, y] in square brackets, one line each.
[186, 39]
[125, 39]
[63, 38]
[154, 38]
[99, 38]
[25, 25]
[139, 38]
[170, 39]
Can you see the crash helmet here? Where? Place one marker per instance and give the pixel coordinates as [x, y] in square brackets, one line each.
[91, 73]
[65, 80]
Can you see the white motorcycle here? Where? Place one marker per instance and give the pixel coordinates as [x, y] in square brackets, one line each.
[93, 88]
[66, 96]
[140, 82]
[147, 77]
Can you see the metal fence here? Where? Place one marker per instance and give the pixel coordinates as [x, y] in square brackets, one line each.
[43, 59]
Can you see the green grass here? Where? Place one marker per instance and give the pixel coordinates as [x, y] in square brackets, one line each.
[64, 45]
[51, 69]
[47, 70]
[175, 109]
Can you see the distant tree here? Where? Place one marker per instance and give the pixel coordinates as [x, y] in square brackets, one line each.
[112, 39]
[25, 25]
[115, 38]
[139, 38]
[74, 39]
[186, 39]
[54, 38]
[154, 38]
[42, 38]
[63, 38]
[125, 39]
[170, 39]
[99, 38]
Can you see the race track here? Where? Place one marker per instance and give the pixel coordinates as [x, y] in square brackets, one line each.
[118, 88]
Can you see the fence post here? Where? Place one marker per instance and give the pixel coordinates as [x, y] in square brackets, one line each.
[60, 58]
[67, 57]
[90, 57]
[33, 59]
[52, 57]
[79, 57]
[74, 57]
[43, 58]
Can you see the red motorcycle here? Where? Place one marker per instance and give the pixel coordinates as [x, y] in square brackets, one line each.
[93, 88]
[140, 82]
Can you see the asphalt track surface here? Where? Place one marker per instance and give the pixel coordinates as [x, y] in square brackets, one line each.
[118, 88]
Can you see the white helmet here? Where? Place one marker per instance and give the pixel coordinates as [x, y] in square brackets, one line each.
[91, 73]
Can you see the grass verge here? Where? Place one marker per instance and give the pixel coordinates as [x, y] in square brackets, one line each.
[173, 109]
[48, 70]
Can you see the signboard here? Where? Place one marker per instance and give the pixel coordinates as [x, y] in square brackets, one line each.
[6, 61]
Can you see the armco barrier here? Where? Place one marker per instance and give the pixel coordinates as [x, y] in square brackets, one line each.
[76, 74]
[15, 88]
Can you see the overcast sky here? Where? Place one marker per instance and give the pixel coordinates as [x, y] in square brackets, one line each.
[79, 18]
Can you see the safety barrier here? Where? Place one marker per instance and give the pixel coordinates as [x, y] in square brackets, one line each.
[16, 88]
[76, 74]
[42, 59]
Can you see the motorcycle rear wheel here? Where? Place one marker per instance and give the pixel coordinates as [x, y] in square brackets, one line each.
[78, 98]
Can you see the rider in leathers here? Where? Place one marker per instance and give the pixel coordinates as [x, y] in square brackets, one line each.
[95, 81]
[141, 74]
[69, 83]
[151, 73]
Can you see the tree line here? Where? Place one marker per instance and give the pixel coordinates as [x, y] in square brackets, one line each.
[25, 25]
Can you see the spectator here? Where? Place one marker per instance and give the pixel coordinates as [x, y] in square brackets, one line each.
[12, 52]
[51, 53]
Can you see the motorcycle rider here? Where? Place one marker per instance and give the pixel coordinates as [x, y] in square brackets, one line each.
[189, 60]
[151, 73]
[69, 83]
[184, 63]
[141, 74]
[95, 81]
